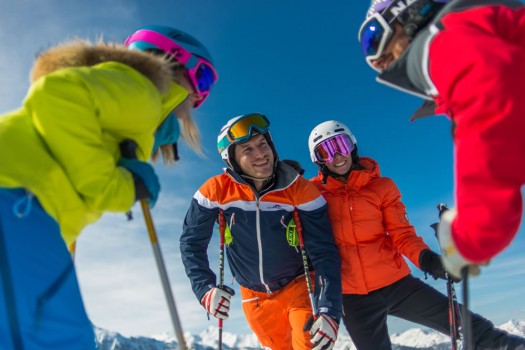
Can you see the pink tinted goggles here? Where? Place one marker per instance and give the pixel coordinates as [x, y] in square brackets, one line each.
[326, 150]
[200, 72]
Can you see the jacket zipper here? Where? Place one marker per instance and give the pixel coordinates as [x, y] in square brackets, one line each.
[259, 244]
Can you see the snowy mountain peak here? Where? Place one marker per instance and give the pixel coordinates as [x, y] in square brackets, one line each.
[415, 338]
[419, 338]
[514, 327]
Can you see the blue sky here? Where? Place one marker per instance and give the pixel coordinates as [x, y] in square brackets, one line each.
[299, 63]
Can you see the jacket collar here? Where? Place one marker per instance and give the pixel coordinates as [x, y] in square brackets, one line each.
[285, 175]
[357, 178]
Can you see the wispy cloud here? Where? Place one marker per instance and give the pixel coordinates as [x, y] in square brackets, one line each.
[120, 281]
[35, 26]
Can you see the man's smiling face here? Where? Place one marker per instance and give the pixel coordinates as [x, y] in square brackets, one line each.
[255, 157]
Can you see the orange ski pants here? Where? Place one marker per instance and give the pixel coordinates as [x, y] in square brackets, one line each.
[277, 319]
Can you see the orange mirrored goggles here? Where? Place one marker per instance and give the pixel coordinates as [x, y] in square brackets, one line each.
[242, 129]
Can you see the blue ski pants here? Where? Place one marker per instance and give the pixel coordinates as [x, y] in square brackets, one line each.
[40, 302]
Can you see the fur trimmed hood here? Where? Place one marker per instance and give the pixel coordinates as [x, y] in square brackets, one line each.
[83, 53]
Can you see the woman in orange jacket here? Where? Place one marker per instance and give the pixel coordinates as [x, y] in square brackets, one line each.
[372, 232]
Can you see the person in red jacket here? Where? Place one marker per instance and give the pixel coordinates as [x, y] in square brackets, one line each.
[372, 233]
[468, 57]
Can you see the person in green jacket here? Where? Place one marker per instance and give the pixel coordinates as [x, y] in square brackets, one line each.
[61, 166]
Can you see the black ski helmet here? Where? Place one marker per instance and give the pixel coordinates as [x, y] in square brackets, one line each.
[412, 14]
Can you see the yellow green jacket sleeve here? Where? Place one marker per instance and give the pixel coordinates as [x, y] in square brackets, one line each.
[63, 144]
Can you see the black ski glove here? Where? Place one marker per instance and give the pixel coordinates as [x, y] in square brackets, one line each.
[430, 263]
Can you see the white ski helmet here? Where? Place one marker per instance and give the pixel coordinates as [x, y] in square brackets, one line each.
[326, 130]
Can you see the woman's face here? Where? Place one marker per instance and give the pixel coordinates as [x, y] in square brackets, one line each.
[183, 111]
[192, 95]
[341, 164]
[394, 49]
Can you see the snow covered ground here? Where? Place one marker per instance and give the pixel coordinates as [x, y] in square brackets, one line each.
[412, 339]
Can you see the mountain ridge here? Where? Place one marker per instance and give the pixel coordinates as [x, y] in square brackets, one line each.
[411, 339]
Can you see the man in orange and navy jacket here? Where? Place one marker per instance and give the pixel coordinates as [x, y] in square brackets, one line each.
[258, 195]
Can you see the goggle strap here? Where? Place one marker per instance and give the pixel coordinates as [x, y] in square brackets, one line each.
[166, 44]
[388, 15]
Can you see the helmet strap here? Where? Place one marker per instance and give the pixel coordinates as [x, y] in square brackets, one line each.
[355, 156]
[325, 177]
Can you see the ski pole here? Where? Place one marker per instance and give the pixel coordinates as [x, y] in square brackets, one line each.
[453, 307]
[454, 313]
[128, 149]
[467, 325]
[465, 322]
[305, 261]
[222, 228]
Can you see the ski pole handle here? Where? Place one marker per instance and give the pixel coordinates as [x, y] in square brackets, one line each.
[128, 149]
[442, 207]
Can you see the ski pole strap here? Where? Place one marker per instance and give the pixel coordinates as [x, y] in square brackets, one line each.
[228, 238]
[291, 234]
[222, 226]
[305, 262]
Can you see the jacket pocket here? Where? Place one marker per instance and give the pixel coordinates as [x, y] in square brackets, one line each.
[54, 289]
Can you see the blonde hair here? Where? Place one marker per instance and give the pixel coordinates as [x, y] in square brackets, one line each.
[190, 134]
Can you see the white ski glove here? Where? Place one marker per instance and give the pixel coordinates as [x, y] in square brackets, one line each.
[217, 301]
[452, 259]
[323, 332]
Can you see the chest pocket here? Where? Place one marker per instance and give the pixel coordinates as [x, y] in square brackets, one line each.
[292, 236]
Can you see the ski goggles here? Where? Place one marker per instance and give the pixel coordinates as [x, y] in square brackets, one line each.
[242, 129]
[326, 150]
[373, 36]
[199, 71]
